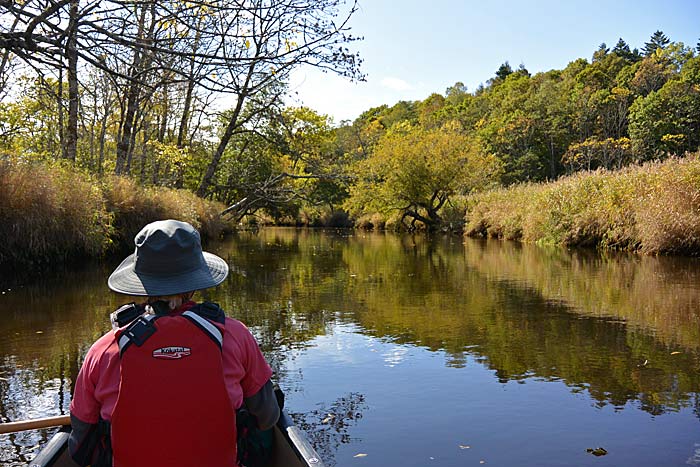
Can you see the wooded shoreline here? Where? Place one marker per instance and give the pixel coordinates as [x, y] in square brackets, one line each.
[54, 213]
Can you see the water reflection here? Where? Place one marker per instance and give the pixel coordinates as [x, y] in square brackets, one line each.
[622, 330]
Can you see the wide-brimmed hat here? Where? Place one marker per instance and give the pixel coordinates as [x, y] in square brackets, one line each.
[168, 260]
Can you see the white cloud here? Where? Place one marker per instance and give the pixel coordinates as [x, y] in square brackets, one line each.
[397, 84]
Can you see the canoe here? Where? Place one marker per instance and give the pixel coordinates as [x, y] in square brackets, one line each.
[290, 448]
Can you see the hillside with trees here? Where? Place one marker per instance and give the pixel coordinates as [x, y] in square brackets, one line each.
[623, 107]
[140, 91]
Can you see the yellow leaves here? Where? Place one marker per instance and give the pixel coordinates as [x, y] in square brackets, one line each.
[170, 153]
[617, 94]
[675, 139]
[247, 44]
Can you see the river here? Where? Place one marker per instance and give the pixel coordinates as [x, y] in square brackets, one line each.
[403, 350]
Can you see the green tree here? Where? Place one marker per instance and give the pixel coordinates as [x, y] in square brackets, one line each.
[623, 50]
[503, 71]
[601, 52]
[658, 40]
[415, 171]
[456, 93]
[668, 121]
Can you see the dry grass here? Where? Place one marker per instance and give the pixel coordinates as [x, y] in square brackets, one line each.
[49, 214]
[55, 213]
[134, 206]
[654, 209]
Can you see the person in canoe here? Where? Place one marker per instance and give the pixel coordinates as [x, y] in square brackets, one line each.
[163, 387]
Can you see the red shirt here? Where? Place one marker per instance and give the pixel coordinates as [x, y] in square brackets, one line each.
[97, 386]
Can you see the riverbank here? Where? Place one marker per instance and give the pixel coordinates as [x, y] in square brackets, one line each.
[55, 213]
[652, 209]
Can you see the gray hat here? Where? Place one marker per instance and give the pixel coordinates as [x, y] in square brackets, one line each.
[168, 260]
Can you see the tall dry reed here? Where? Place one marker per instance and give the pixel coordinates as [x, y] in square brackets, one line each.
[49, 213]
[653, 208]
[53, 212]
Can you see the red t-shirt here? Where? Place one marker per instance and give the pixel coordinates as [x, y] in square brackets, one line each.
[97, 386]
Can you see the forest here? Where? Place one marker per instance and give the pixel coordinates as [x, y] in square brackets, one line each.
[190, 97]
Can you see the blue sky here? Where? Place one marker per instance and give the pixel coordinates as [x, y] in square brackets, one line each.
[413, 48]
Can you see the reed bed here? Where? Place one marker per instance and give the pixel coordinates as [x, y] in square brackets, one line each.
[52, 213]
[653, 208]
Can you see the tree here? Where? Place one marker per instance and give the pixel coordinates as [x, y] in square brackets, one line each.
[289, 162]
[429, 111]
[668, 121]
[623, 50]
[601, 52]
[415, 171]
[281, 36]
[593, 153]
[231, 47]
[658, 40]
[456, 93]
[503, 71]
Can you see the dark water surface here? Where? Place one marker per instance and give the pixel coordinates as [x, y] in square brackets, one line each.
[409, 351]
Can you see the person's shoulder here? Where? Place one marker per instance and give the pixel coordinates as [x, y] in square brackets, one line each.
[234, 326]
[102, 344]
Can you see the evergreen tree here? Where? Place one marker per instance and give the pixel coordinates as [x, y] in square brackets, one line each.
[658, 40]
[622, 50]
[503, 71]
[636, 55]
[601, 52]
[523, 71]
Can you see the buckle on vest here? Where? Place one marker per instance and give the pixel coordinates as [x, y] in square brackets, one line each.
[139, 331]
[125, 314]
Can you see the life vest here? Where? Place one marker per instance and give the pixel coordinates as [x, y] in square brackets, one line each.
[173, 409]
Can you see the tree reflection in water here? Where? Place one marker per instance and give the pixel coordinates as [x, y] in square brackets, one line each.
[327, 426]
[620, 328]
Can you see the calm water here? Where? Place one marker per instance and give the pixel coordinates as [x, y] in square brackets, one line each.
[407, 351]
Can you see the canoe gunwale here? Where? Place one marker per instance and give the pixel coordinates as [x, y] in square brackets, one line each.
[54, 452]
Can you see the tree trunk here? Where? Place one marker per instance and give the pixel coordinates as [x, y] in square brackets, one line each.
[93, 125]
[184, 121]
[71, 143]
[228, 134]
[103, 133]
[59, 104]
[144, 151]
[131, 105]
[216, 158]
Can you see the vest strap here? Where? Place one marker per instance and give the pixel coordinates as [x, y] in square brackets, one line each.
[137, 332]
[142, 328]
[206, 326]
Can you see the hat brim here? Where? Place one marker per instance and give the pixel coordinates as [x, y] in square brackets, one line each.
[126, 280]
